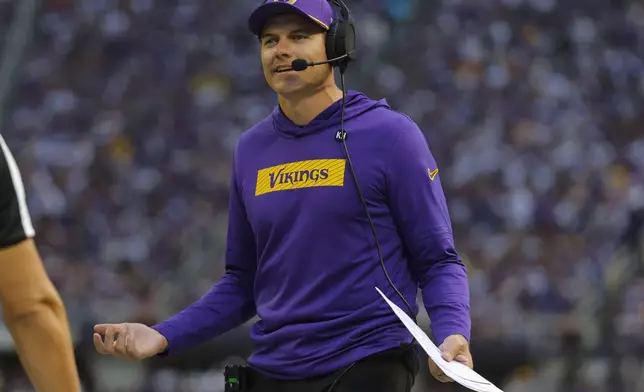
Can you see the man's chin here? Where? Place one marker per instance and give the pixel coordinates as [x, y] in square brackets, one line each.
[289, 88]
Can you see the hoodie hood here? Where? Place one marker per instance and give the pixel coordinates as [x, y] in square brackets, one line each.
[356, 104]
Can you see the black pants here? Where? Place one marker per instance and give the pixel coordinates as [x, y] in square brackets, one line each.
[392, 370]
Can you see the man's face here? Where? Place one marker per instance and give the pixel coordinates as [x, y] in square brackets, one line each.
[289, 37]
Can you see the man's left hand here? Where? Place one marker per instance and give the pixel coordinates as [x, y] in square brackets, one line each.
[454, 348]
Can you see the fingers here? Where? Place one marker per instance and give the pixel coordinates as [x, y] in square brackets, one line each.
[456, 347]
[453, 348]
[438, 373]
[447, 355]
[120, 347]
[98, 344]
[101, 328]
[109, 340]
[449, 350]
[464, 359]
[124, 347]
[113, 342]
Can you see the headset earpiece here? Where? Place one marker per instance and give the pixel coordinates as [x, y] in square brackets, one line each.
[341, 37]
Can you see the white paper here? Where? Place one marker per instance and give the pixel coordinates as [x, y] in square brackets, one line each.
[454, 370]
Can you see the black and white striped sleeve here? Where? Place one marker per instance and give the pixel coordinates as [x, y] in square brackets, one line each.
[15, 222]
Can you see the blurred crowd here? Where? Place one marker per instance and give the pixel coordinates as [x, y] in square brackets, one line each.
[124, 114]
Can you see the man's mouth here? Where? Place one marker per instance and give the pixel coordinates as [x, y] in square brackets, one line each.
[283, 69]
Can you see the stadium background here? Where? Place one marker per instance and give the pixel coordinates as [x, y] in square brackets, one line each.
[122, 115]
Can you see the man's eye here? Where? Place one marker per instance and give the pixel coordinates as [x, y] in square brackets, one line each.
[299, 37]
[269, 41]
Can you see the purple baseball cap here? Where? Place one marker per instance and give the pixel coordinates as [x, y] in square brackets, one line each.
[319, 11]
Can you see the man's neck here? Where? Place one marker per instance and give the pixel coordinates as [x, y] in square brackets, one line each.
[302, 109]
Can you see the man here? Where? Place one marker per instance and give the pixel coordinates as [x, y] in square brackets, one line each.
[31, 307]
[300, 253]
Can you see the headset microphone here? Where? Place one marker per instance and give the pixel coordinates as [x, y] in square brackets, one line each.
[301, 64]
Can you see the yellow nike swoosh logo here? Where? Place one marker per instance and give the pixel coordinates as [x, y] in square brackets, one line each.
[432, 173]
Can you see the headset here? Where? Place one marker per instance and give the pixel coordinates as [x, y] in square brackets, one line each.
[341, 36]
[340, 41]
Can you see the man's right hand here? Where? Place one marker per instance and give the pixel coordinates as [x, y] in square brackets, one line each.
[128, 341]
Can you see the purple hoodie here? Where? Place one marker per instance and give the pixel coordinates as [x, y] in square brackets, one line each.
[300, 251]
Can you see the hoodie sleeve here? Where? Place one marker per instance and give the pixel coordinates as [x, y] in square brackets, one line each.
[420, 211]
[230, 302]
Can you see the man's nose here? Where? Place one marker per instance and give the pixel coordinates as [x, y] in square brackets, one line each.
[283, 48]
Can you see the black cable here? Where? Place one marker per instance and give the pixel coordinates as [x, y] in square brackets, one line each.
[366, 210]
[362, 200]
[335, 382]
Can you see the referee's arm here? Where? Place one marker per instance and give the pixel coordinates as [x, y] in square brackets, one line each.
[32, 309]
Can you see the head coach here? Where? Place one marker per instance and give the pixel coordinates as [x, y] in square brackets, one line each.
[332, 195]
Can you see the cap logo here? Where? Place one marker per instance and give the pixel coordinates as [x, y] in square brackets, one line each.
[285, 1]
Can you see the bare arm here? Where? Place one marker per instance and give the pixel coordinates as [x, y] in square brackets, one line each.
[31, 306]
[36, 318]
